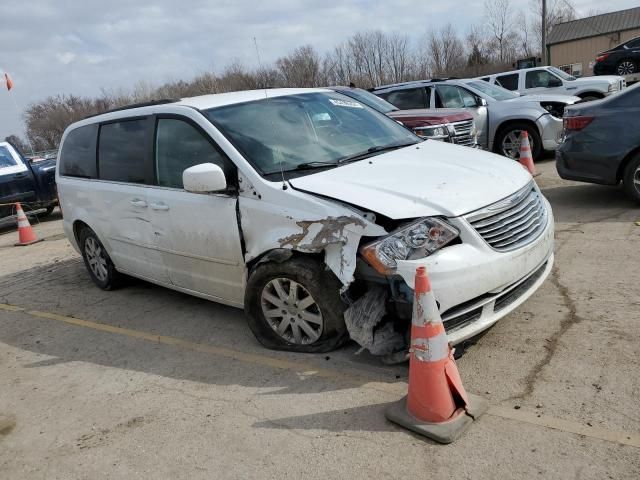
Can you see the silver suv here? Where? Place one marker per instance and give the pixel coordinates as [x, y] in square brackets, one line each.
[500, 115]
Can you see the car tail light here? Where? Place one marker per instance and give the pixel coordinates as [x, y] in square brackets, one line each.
[602, 58]
[576, 123]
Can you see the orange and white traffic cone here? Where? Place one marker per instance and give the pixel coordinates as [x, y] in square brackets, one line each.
[437, 405]
[26, 235]
[526, 159]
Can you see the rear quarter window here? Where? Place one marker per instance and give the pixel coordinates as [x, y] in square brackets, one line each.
[122, 151]
[78, 155]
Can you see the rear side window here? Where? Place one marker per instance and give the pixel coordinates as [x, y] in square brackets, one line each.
[78, 155]
[510, 82]
[179, 145]
[122, 151]
[6, 159]
[406, 99]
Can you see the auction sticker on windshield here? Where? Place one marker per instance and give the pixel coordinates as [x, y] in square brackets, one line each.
[345, 103]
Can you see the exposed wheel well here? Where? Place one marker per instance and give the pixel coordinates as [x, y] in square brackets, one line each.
[625, 162]
[584, 95]
[78, 226]
[280, 255]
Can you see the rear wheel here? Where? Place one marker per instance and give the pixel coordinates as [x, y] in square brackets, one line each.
[296, 306]
[97, 260]
[507, 141]
[631, 179]
[626, 67]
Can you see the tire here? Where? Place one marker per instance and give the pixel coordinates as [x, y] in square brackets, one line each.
[626, 67]
[631, 179]
[97, 260]
[512, 131]
[269, 286]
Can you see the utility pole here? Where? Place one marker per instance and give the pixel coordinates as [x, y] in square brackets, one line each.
[543, 54]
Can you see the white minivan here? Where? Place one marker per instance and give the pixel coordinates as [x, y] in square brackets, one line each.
[295, 204]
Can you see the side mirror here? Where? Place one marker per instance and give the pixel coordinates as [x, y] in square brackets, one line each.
[554, 82]
[203, 178]
[481, 102]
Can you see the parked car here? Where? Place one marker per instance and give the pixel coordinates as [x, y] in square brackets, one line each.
[601, 142]
[21, 181]
[448, 125]
[293, 203]
[621, 60]
[553, 80]
[500, 115]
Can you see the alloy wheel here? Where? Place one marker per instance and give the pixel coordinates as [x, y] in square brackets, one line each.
[625, 68]
[511, 144]
[291, 311]
[636, 179]
[96, 258]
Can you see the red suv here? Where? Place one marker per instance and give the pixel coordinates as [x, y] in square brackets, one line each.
[449, 125]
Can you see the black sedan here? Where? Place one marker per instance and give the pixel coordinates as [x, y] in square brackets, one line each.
[601, 142]
[621, 60]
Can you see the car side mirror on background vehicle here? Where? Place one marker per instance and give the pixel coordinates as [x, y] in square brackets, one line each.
[554, 82]
[203, 178]
[481, 102]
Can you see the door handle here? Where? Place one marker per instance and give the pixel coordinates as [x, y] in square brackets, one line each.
[20, 175]
[160, 206]
[136, 202]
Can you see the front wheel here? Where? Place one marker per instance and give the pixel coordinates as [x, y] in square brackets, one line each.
[507, 141]
[631, 179]
[296, 306]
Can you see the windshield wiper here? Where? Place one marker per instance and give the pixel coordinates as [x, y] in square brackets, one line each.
[312, 165]
[373, 150]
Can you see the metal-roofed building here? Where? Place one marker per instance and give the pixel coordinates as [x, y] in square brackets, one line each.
[573, 46]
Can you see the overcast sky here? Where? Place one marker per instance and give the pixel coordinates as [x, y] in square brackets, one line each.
[81, 46]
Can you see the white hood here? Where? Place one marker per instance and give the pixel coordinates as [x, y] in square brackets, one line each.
[595, 80]
[431, 178]
[546, 97]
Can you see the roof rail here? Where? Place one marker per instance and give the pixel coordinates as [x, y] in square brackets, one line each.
[150, 103]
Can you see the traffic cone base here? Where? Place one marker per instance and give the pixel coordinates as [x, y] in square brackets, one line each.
[442, 432]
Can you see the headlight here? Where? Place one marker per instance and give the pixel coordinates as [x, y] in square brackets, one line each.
[434, 133]
[613, 87]
[416, 240]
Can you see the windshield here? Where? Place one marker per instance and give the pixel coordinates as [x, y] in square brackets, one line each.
[291, 132]
[561, 74]
[369, 99]
[494, 91]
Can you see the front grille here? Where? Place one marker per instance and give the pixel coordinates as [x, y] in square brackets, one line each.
[463, 133]
[512, 222]
[506, 299]
[461, 321]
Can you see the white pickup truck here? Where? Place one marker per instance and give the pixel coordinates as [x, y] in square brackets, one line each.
[553, 80]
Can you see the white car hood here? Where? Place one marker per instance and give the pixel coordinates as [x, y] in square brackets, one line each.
[600, 79]
[431, 178]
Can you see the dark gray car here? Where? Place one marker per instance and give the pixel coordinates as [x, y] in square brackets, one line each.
[601, 142]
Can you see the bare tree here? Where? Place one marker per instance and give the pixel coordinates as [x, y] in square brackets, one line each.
[500, 23]
[19, 144]
[301, 68]
[446, 51]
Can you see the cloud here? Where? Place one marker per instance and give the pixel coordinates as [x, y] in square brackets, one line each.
[66, 57]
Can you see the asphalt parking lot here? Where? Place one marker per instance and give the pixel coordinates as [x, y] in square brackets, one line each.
[145, 382]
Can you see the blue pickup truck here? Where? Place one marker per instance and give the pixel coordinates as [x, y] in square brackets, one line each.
[30, 183]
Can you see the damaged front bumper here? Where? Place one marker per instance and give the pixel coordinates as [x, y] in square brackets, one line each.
[475, 285]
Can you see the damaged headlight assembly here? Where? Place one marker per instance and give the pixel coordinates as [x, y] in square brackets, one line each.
[416, 240]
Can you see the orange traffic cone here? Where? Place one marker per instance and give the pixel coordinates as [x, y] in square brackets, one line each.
[437, 405]
[26, 235]
[526, 159]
